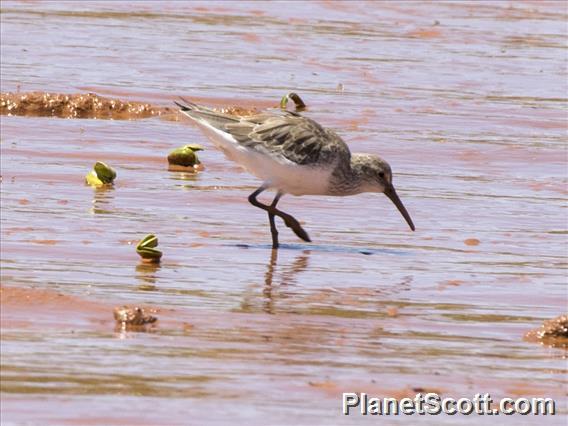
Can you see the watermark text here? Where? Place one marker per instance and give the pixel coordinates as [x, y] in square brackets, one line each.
[432, 404]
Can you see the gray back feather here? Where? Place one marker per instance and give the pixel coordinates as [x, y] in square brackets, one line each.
[280, 134]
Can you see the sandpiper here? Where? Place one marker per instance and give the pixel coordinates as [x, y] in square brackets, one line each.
[293, 154]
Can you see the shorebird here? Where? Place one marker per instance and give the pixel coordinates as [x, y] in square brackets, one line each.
[293, 154]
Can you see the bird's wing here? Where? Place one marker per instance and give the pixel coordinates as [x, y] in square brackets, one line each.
[290, 136]
[201, 113]
[285, 135]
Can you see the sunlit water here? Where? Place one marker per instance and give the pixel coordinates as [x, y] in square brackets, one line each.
[466, 100]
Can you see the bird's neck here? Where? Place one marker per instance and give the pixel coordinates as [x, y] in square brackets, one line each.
[349, 178]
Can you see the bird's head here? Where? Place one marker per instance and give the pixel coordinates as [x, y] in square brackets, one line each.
[376, 176]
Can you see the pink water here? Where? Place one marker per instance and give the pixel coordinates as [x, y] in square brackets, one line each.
[466, 100]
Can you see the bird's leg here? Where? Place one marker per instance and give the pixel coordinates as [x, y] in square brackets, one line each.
[271, 217]
[289, 220]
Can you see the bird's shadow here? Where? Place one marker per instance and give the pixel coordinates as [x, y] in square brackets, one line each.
[327, 248]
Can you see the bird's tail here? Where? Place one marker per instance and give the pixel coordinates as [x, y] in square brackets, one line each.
[205, 115]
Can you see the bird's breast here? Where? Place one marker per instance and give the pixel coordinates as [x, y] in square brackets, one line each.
[291, 178]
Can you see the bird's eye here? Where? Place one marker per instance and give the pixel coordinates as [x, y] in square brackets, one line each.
[382, 175]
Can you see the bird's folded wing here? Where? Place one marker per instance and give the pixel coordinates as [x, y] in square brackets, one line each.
[200, 113]
[289, 136]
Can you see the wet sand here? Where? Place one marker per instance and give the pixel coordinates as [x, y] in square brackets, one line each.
[467, 101]
[205, 338]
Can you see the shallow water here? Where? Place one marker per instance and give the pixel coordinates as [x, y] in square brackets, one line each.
[466, 100]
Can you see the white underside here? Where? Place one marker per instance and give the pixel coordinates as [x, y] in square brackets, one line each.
[278, 173]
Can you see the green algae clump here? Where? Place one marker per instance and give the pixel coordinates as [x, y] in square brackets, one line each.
[102, 174]
[146, 249]
[185, 156]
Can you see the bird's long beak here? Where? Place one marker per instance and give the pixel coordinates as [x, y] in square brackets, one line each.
[391, 193]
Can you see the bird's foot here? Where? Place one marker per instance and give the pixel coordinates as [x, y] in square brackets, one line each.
[295, 226]
[302, 234]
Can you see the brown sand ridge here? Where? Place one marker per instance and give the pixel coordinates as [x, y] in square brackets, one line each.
[90, 105]
[82, 105]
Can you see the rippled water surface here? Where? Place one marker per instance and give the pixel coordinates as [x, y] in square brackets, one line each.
[466, 100]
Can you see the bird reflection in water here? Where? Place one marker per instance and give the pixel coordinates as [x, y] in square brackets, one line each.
[288, 277]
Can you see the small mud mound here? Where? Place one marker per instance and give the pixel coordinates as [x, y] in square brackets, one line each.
[552, 333]
[89, 105]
